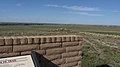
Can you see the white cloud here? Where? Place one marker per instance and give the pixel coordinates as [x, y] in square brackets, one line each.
[49, 5]
[87, 14]
[80, 8]
[76, 8]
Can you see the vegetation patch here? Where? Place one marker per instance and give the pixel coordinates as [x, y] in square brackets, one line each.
[99, 37]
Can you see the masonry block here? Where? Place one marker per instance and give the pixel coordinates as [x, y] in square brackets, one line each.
[26, 52]
[78, 66]
[53, 57]
[73, 59]
[68, 39]
[69, 64]
[21, 48]
[80, 43]
[59, 61]
[16, 41]
[67, 44]
[30, 40]
[80, 53]
[5, 49]
[36, 40]
[79, 63]
[8, 41]
[73, 38]
[77, 38]
[58, 39]
[54, 39]
[48, 40]
[62, 51]
[2, 41]
[55, 51]
[63, 39]
[41, 52]
[70, 54]
[8, 54]
[43, 40]
[50, 45]
[23, 40]
[74, 48]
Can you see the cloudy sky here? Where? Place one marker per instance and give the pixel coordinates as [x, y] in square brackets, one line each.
[103, 12]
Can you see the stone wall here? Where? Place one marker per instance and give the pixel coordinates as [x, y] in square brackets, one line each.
[57, 51]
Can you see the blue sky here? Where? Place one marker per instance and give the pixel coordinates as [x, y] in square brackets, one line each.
[103, 12]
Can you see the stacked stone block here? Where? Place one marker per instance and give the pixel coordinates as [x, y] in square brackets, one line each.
[64, 50]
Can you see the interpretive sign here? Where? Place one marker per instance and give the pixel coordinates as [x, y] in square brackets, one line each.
[19, 61]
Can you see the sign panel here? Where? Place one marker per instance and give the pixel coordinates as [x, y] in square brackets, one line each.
[18, 61]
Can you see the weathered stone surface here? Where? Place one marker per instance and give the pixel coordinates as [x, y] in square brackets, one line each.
[73, 59]
[68, 39]
[36, 40]
[59, 61]
[23, 40]
[49, 40]
[16, 41]
[55, 51]
[43, 40]
[58, 39]
[8, 41]
[2, 41]
[30, 40]
[26, 52]
[73, 38]
[67, 44]
[80, 53]
[8, 54]
[41, 52]
[69, 64]
[74, 48]
[54, 39]
[21, 48]
[5, 49]
[53, 57]
[50, 45]
[70, 54]
[63, 39]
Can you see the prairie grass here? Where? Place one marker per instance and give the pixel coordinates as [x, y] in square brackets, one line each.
[99, 35]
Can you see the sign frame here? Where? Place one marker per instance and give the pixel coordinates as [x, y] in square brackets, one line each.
[35, 58]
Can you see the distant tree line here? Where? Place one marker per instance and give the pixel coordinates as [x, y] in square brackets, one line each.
[16, 23]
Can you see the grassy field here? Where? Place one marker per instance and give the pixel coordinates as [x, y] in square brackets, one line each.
[101, 43]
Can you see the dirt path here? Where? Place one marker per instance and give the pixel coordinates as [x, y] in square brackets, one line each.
[93, 45]
[98, 34]
[104, 44]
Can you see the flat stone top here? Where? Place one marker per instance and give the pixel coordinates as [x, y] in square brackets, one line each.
[13, 40]
[42, 36]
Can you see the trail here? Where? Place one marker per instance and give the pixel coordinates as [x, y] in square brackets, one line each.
[104, 44]
[93, 45]
[98, 34]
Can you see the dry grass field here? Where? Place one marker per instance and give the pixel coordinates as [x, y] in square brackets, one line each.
[101, 43]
